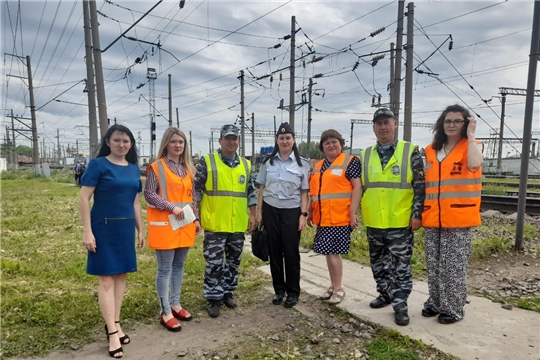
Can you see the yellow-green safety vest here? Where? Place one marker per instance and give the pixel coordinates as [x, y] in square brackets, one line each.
[388, 194]
[224, 204]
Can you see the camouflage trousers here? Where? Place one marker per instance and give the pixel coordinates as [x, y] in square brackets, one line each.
[221, 275]
[390, 253]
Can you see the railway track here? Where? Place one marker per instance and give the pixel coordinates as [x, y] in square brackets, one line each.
[511, 185]
[509, 204]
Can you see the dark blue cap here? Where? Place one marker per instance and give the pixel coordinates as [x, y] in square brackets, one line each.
[382, 112]
[228, 129]
[285, 128]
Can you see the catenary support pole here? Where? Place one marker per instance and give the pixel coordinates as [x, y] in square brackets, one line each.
[35, 144]
[90, 84]
[527, 125]
[407, 118]
[292, 71]
[397, 74]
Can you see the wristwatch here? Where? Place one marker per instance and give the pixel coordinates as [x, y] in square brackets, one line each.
[303, 214]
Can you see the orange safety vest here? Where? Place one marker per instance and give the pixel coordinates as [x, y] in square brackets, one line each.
[178, 191]
[331, 192]
[453, 192]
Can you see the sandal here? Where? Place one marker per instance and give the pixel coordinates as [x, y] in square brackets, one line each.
[337, 297]
[327, 294]
[183, 314]
[122, 339]
[114, 352]
[170, 324]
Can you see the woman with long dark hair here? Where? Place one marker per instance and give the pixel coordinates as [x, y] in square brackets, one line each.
[113, 179]
[451, 209]
[282, 207]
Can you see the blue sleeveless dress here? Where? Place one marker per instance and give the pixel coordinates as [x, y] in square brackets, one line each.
[112, 216]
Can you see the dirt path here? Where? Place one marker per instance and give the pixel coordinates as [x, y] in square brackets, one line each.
[198, 337]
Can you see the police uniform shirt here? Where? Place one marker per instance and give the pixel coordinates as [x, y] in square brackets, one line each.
[283, 181]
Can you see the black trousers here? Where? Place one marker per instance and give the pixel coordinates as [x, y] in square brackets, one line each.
[284, 239]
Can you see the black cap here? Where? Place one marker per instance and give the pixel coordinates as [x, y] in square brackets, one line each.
[228, 129]
[285, 128]
[382, 112]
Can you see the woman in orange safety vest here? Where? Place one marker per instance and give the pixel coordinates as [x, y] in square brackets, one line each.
[451, 209]
[169, 191]
[335, 192]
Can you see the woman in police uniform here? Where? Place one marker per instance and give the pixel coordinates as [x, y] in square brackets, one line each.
[282, 207]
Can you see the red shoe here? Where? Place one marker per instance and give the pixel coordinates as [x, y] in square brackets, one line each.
[169, 325]
[183, 314]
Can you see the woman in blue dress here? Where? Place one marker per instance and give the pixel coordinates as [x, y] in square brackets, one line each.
[113, 178]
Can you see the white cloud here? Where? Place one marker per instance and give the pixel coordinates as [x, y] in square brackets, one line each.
[490, 50]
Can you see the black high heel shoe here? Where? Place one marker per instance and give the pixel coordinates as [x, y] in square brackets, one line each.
[114, 352]
[122, 339]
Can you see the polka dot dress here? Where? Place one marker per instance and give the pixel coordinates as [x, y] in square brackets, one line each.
[336, 239]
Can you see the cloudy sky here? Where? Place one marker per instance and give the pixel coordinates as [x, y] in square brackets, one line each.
[205, 44]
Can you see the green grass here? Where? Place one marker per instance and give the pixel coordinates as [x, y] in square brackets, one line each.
[490, 189]
[529, 304]
[47, 298]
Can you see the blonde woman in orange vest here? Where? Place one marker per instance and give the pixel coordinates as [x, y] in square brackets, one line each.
[335, 192]
[451, 209]
[168, 190]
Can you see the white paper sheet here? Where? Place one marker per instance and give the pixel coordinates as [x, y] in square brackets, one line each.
[189, 217]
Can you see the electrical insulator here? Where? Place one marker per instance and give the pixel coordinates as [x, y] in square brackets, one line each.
[286, 37]
[280, 76]
[355, 66]
[281, 104]
[304, 64]
[277, 46]
[304, 98]
[377, 32]
[373, 100]
[182, 3]
[450, 45]
[271, 78]
[380, 97]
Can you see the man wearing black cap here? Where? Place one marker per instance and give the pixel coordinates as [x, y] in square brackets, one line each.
[394, 192]
[223, 191]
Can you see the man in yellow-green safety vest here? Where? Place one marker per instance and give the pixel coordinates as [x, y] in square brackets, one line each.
[393, 197]
[224, 192]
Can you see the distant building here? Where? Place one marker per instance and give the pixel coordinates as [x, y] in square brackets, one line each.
[3, 164]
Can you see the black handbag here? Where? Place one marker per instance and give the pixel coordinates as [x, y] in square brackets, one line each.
[259, 243]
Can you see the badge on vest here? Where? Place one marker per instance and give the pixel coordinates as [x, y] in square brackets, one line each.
[242, 179]
[396, 170]
[337, 172]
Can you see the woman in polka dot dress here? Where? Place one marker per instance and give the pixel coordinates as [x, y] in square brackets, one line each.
[335, 193]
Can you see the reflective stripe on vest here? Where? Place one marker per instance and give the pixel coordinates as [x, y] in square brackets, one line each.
[224, 203]
[177, 190]
[389, 185]
[453, 192]
[332, 167]
[215, 191]
[162, 181]
[330, 192]
[453, 182]
[388, 196]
